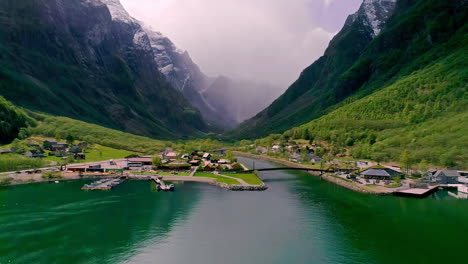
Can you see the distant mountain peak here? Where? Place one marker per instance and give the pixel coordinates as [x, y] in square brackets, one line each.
[374, 14]
[117, 11]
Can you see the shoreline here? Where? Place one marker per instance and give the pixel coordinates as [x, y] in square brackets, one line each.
[37, 178]
[338, 181]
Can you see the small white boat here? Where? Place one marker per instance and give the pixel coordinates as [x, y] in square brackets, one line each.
[56, 181]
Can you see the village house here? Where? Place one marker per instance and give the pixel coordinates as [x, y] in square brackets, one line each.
[79, 156]
[34, 154]
[144, 161]
[5, 151]
[48, 143]
[380, 173]
[223, 161]
[59, 147]
[206, 156]
[194, 162]
[208, 167]
[313, 158]
[443, 176]
[185, 156]
[261, 150]
[171, 155]
[275, 148]
[75, 149]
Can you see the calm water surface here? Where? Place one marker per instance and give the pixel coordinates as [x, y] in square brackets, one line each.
[299, 219]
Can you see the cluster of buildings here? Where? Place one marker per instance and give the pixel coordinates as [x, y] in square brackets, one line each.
[296, 153]
[169, 161]
[59, 149]
[209, 162]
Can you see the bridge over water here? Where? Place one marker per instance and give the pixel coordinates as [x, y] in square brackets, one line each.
[290, 168]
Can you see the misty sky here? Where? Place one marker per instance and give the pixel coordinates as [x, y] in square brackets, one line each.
[263, 40]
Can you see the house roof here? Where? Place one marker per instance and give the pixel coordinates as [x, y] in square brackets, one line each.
[5, 150]
[206, 155]
[386, 172]
[448, 173]
[141, 159]
[35, 152]
[171, 154]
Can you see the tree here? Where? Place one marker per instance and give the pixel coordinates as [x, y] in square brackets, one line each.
[23, 133]
[70, 139]
[157, 162]
[406, 160]
[378, 156]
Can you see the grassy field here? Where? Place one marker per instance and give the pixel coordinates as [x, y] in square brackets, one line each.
[13, 162]
[172, 174]
[218, 178]
[248, 178]
[97, 153]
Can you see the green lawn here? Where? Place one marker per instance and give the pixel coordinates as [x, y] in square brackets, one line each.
[172, 174]
[248, 178]
[13, 162]
[218, 178]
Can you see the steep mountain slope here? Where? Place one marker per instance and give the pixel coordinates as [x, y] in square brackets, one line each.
[320, 85]
[88, 60]
[411, 91]
[224, 102]
[186, 77]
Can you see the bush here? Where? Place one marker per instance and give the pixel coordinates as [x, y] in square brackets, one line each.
[51, 175]
[6, 181]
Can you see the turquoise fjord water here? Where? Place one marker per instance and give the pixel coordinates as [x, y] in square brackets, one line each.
[299, 219]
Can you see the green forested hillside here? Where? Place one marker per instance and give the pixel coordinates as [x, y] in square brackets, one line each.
[424, 114]
[12, 120]
[420, 32]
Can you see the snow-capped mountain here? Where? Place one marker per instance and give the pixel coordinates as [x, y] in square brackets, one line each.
[90, 60]
[185, 75]
[374, 14]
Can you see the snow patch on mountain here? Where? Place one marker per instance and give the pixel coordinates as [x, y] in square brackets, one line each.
[373, 14]
[376, 13]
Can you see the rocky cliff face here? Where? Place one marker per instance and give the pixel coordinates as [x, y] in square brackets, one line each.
[223, 102]
[88, 59]
[322, 85]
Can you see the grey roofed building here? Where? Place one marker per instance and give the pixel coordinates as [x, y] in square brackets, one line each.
[444, 176]
[34, 154]
[380, 173]
[5, 151]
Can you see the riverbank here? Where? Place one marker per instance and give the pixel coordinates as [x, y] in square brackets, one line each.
[377, 190]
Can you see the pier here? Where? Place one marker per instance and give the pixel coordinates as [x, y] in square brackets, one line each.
[103, 185]
[417, 192]
[161, 185]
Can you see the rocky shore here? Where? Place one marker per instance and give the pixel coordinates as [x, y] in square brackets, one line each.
[262, 187]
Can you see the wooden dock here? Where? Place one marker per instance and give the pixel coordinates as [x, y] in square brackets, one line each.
[161, 185]
[103, 185]
[417, 192]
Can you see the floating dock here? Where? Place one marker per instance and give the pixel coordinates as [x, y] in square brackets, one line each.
[103, 185]
[417, 192]
[161, 185]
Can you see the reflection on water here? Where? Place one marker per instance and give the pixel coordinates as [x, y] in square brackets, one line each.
[299, 219]
[47, 223]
